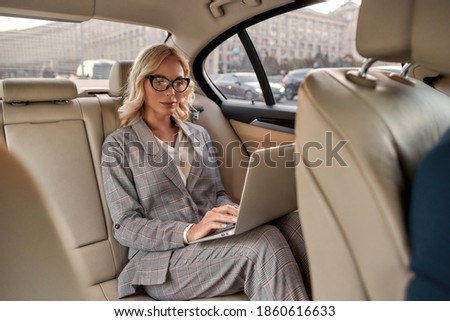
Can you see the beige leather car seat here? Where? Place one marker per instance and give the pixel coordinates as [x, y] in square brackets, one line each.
[35, 264]
[58, 138]
[361, 139]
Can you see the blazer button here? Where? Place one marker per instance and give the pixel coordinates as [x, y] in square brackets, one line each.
[117, 226]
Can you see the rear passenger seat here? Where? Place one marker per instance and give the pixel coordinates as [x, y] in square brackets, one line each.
[58, 137]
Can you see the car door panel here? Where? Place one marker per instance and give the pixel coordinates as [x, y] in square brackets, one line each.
[255, 136]
[258, 125]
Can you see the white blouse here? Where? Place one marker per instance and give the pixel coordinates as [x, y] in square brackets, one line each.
[182, 153]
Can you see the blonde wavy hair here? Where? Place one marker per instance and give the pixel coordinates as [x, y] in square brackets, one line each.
[148, 60]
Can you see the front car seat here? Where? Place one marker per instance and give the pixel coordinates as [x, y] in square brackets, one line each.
[361, 135]
[34, 263]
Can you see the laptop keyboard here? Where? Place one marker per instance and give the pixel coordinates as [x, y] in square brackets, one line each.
[223, 229]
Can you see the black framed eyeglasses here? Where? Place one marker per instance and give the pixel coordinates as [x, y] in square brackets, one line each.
[161, 83]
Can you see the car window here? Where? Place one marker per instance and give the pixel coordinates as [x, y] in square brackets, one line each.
[229, 67]
[80, 51]
[289, 46]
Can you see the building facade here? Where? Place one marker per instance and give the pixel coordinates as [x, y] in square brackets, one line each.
[64, 46]
[298, 39]
[303, 38]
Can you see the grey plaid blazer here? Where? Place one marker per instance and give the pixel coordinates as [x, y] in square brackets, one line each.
[149, 205]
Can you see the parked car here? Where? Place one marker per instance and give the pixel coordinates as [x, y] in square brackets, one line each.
[94, 69]
[276, 79]
[245, 85]
[292, 81]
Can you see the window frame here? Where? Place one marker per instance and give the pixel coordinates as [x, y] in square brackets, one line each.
[198, 70]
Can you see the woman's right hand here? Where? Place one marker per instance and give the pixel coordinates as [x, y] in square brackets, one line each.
[214, 219]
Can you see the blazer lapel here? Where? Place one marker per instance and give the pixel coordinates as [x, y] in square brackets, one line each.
[199, 154]
[157, 156]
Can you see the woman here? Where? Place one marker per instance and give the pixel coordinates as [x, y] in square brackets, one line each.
[164, 191]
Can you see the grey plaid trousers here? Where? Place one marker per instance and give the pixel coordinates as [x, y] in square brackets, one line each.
[267, 263]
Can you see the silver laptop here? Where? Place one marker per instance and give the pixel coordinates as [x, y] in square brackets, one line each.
[269, 191]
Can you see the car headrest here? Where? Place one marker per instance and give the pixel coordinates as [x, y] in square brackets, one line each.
[118, 77]
[384, 30]
[430, 45]
[24, 90]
